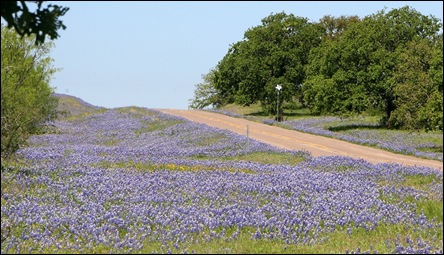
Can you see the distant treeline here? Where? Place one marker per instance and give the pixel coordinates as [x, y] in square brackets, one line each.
[389, 63]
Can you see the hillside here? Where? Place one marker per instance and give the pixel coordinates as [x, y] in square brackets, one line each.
[74, 106]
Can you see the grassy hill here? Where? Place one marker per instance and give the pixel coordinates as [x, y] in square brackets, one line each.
[73, 106]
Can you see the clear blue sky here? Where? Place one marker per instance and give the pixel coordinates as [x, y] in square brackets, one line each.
[152, 54]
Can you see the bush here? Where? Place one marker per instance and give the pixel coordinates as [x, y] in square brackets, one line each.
[26, 97]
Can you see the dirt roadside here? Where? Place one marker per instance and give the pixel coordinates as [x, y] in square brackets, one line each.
[294, 140]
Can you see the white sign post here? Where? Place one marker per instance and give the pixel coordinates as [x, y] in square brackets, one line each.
[278, 88]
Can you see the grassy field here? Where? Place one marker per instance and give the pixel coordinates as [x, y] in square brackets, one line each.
[134, 180]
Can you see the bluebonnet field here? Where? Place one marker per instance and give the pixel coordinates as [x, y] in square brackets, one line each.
[364, 131]
[137, 180]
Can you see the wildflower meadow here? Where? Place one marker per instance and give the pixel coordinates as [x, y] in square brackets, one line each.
[135, 180]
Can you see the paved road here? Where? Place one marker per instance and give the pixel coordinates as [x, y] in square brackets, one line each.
[294, 140]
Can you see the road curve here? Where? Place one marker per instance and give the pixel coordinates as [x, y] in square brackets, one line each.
[294, 140]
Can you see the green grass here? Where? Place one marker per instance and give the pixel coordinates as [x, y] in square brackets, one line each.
[80, 116]
[418, 181]
[268, 158]
[337, 242]
[433, 149]
[151, 167]
[110, 142]
[150, 126]
[243, 110]
[157, 125]
[260, 157]
[255, 112]
[432, 208]
[71, 108]
[210, 140]
[430, 205]
[136, 111]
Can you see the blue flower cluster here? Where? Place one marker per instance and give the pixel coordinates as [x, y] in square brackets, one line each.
[396, 141]
[411, 247]
[122, 180]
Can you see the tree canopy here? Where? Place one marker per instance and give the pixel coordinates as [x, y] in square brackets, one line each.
[44, 21]
[272, 53]
[358, 71]
[387, 62]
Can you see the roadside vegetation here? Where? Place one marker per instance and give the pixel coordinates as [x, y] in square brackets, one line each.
[364, 129]
[27, 103]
